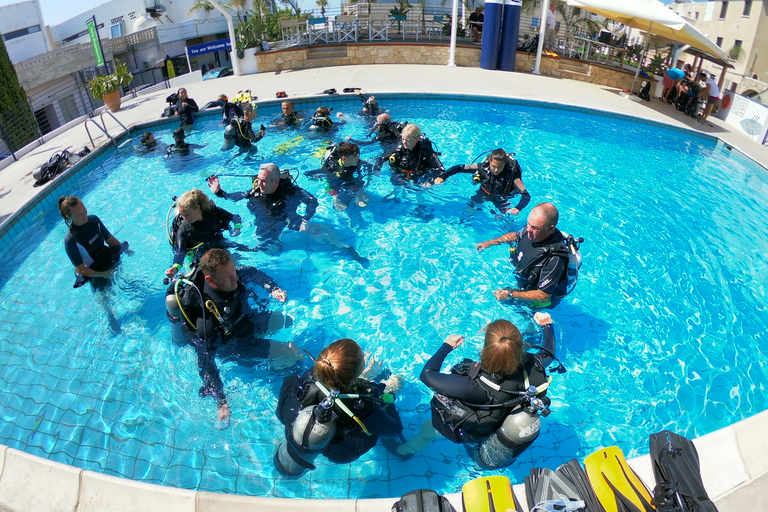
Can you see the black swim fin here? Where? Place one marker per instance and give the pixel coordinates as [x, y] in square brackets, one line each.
[557, 490]
[677, 473]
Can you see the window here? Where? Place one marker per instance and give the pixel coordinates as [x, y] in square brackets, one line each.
[723, 10]
[116, 30]
[68, 108]
[737, 43]
[719, 42]
[21, 32]
[534, 22]
[696, 16]
[747, 8]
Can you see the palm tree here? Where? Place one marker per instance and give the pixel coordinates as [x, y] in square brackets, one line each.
[736, 53]
[239, 7]
[322, 4]
[200, 5]
[294, 5]
[574, 18]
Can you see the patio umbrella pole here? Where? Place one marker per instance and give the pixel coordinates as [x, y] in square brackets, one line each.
[542, 27]
[645, 52]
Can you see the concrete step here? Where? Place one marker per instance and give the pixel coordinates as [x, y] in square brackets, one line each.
[327, 52]
[574, 67]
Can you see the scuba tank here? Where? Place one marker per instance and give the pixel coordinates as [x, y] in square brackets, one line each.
[311, 433]
[574, 260]
[515, 434]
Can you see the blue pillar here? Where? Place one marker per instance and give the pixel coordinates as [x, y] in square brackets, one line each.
[489, 53]
[510, 27]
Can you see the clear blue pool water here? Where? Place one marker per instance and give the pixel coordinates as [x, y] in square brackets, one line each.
[664, 330]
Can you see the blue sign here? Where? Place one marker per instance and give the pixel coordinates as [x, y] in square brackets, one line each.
[214, 46]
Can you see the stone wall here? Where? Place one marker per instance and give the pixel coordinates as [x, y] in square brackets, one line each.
[434, 54]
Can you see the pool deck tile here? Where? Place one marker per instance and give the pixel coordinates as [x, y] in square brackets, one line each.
[104, 493]
[734, 460]
[31, 483]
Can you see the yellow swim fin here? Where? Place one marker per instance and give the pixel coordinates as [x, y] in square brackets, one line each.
[617, 486]
[489, 494]
[287, 146]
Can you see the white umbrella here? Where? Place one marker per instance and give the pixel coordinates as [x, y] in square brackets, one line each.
[652, 17]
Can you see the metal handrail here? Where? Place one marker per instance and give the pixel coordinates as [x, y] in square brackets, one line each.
[100, 128]
[103, 127]
[104, 123]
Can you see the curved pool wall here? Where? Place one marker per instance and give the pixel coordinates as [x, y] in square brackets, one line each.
[16, 466]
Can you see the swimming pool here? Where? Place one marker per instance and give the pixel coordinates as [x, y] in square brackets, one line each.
[660, 333]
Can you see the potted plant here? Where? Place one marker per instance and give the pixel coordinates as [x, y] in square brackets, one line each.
[106, 88]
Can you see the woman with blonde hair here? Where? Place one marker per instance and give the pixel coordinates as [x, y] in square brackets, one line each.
[197, 227]
[414, 159]
[335, 410]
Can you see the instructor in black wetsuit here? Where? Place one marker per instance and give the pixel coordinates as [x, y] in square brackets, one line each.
[500, 179]
[222, 322]
[540, 258]
[92, 249]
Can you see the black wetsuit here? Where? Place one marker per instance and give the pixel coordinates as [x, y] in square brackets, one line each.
[321, 123]
[87, 245]
[202, 235]
[186, 114]
[239, 336]
[468, 389]
[498, 189]
[350, 442]
[419, 165]
[541, 265]
[277, 210]
[342, 181]
[287, 120]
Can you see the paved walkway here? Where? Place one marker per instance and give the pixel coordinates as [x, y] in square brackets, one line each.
[734, 459]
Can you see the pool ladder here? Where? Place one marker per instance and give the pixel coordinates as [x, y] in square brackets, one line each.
[103, 127]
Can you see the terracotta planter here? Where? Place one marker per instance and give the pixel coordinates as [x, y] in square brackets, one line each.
[112, 101]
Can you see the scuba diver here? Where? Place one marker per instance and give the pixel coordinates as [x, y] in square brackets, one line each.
[387, 132]
[546, 260]
[148, 140]
[289, 117]
[197, 227]
[239, 132]
[335, 410]
[321, 121]
[414, 160]
[180, 146]
[344, 174]
[500, 179]
[93, 251]
[211, 311]
[494, 404]
[370, 105]
[274, 201]
[186, 108]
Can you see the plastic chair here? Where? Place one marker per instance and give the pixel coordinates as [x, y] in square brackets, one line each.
[346, 28]
[378, 27]
[317, 30]
[435, 28]
[291, 32]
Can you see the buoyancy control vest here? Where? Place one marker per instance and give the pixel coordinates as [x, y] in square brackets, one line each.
[306, 408]
[502, 184]
[461, 422]
[412, 165]
[530, 259]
